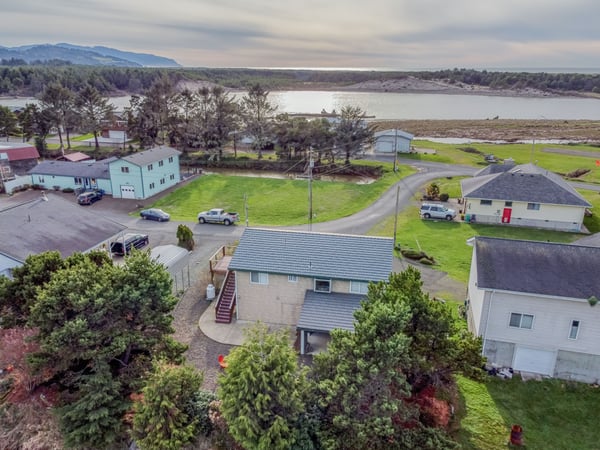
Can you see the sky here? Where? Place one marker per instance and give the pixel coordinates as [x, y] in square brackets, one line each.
[369, 34]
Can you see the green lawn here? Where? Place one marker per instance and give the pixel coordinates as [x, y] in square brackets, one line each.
[276, 201]
[554, 414]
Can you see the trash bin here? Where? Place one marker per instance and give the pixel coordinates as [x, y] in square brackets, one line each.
[468, 218]
[210, 292]
[516, 435]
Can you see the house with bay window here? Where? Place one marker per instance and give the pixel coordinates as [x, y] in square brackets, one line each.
[533, 305]
[312, 281]
[523, 195]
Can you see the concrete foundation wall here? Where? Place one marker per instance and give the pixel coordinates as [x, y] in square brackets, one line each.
[577, 366]
[499, 353]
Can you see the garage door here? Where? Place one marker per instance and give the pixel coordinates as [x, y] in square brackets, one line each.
[533, 360]
[127, 191]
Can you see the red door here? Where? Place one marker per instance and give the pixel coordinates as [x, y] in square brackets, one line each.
[506, 215]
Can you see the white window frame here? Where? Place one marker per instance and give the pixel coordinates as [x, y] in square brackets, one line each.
[321, 280]
[520, 326]
[124, 169]
[359, 287]
[576, 328]
[485, 202]
[293, 278]
[533, 206]
[259, 278]
[150, 167]
[160, 163]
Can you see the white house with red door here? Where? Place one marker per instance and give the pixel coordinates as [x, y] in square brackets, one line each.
[523, 195]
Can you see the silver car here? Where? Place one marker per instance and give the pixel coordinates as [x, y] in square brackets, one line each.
[435, 211]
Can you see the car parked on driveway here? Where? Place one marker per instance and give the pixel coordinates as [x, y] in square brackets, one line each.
[435, 211]
[155, 214]
[129, 241]
[89, 197]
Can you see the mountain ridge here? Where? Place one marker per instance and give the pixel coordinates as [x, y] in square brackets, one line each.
[85, 55]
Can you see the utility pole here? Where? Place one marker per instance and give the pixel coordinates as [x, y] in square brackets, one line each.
[395, 150]
[311, 164]
[396, 213]
[246, 207]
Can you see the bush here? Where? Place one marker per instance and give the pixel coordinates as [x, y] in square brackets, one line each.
[185, 237]
[426, 261]
[444, 197]
[68, 190]
[199, 408]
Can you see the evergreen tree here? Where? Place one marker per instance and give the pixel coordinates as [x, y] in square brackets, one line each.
[162, 418]
[261, 391]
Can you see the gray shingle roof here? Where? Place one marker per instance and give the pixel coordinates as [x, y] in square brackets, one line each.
[336, 256]
[98, 169]
[496, 168]
[57, 224]
[325, 312]
[150, 156]
[562, 270]
[524, 183]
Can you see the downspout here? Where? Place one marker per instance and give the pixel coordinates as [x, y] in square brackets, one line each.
[487, 321]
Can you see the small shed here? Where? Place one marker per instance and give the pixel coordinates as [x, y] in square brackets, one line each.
[177, 262]
[388, 140]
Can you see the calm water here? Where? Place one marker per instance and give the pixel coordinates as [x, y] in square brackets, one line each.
[385, 105]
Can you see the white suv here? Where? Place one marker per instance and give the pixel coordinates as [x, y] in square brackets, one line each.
[435, 211]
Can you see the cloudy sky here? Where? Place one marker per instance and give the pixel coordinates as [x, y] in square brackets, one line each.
[392, 34]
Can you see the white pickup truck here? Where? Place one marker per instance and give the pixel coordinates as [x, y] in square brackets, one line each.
[218, 215]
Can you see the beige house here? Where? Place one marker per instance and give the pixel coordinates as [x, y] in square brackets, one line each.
[529, 301]
[524, 195]
[314, 281]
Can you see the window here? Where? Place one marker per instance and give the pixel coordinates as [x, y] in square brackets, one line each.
[533, 206]
[485, 202]
[125, 169]
[78, 180]
[160, 163]
[293, 278]
[322, 285]
[518, 320]
[151, 186]
[171, 177]
[150, 167]
[259, 278]
[574, 331]
[508, 204]
[41, 179]
[162, 181]
[359, 287]
[170, 159]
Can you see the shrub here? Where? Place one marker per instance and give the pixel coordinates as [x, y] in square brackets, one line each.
[199, 407]
[68, 190]
[444, 197]
[426, 261]
[185, 237]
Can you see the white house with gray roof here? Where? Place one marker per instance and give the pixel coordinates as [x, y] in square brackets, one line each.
[314, 281]
[529, 301]
[66, 174]
[523, 195]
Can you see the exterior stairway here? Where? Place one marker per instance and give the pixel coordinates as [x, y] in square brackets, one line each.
[226, 302]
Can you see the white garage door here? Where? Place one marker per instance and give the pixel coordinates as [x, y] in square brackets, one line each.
[533, 360]
[127, 191]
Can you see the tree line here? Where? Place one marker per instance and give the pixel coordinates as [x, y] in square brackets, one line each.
[207, 119]
[17, 79]
[89, 362]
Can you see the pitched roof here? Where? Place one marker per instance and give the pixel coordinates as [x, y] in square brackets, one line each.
[496, 168]
[336, 256]
[95, 169]
[56, 224]
[325, 312]
[561, 270]
[524, 183]
[75, 157]
[18, 152]
[150, 156]
[394, 133]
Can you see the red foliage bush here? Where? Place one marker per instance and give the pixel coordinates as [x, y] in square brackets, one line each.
[434, 412]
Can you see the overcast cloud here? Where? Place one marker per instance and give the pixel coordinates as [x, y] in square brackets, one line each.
[393, 34]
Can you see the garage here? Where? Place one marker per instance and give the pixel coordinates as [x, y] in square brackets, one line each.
[127, 191]
[534, 360]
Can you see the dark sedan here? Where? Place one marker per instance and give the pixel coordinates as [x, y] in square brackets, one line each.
[155, 214]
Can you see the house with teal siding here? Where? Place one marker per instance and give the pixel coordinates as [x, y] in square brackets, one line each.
[144, 174]
[83, 175]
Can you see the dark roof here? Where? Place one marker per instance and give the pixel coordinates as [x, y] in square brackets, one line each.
[336, 256]
[150, 156]
[524, 183]
[19, 152]
[97, 169]
[56, 224]
[325, 312]
[561, 270]
[496, 168]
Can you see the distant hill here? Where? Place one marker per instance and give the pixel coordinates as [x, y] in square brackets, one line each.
[89, 56]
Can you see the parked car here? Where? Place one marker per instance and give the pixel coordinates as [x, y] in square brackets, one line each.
[89, 197]
[435, 211]
[218, 215]
[155, 214]
[123, 245]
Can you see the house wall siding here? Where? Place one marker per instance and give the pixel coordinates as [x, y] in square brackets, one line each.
[556, 217]
[577, 366]
[385, 144]
[64, 182]
[278, 302]
[131, 178]
[476, 300]
[147, 182]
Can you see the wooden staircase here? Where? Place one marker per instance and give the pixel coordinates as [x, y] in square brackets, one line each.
[226, 302]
